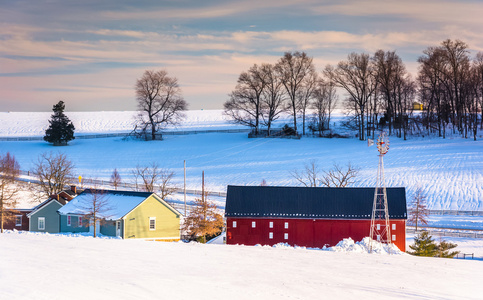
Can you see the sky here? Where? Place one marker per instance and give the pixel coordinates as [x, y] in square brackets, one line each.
[90, 53]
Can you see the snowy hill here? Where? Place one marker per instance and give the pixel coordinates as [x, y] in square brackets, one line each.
[131, 269]
[450, 171]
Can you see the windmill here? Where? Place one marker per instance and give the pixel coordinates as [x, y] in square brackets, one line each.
[380, 229]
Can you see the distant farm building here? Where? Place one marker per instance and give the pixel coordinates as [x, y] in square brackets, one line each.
[311, 217]
[417, 106]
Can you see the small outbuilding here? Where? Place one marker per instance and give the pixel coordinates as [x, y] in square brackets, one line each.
[125, 214]
[308, 216]
[16, 219]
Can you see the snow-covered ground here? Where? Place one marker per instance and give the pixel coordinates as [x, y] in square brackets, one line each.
[60, 267]
[20, 124]
[450, 171]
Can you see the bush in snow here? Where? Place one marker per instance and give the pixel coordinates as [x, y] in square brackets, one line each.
[424, 245]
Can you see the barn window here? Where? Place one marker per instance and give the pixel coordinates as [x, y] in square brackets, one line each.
[41, 223]
[378, 226]
[378, 237]
[270, 235]
[393, 237]
[69, 220]
[254, 224]
[152, 223]
[286, 225]
[285, 236]
[393, 226]
[79, 222]
[234, 224]
[18, 220]
[270, 225]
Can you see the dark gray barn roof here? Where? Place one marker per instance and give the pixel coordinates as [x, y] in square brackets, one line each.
[310, 203]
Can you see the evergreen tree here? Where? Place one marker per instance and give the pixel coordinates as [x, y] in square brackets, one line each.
[424, 245]
[443, 249]
[61, 129]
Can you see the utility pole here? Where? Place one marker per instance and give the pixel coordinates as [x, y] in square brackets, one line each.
[184, 189]
[203, 186]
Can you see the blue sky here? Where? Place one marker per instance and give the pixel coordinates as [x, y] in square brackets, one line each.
[90, 53]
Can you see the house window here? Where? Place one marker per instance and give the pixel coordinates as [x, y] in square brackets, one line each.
[152, 223]
[18, 220]
[234, 224]
[270, 235]
[41, 223]
[69, 220]
[378, 226]
[393, 226]
[254, 224]
[285, 236]
[286, 225]
[270, 225]
[80, 222]
[393, 237]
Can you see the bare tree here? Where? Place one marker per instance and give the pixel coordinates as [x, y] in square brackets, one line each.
[96, 207]
[418, 211]
[151, 177]
[204, 220]
[115, 179]
[9, 171]
[244, 106]
[159, 101]
[356, 77]
[339, 176]
[325, 100]
[306, 94]
[309, 176]
[293, 68]
[53, 171]
[272, 98]
[313, 176]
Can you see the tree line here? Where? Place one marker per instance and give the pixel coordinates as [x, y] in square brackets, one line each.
[291, 85]
[380, 92]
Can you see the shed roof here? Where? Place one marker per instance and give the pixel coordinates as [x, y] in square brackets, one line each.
[119, 203]
[310, 202]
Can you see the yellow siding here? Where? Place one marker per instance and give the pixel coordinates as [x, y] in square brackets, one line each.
[136, 223]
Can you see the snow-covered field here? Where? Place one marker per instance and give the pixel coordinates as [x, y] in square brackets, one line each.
[450, 171]
[42, 266]
[21, 124]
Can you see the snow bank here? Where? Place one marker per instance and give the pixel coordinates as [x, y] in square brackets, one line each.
[348, 245]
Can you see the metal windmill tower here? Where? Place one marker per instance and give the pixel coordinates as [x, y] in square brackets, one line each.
[380, 229]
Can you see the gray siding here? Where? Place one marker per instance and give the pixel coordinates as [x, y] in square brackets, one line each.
[109, 228]
[49, 212]
[74, 226]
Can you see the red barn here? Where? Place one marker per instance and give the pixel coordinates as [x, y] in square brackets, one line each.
[305, 216]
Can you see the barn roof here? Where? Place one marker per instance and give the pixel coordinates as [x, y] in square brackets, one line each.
[310, 202]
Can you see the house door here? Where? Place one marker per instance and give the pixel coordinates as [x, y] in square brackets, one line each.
[118, 228]
[91, 227]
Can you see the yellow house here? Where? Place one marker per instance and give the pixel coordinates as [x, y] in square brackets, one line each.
[129, 215]
[417, 106]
